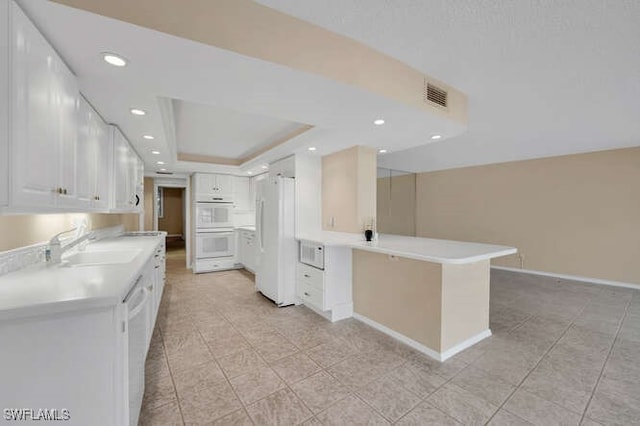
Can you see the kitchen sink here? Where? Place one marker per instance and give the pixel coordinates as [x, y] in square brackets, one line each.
[93, 258]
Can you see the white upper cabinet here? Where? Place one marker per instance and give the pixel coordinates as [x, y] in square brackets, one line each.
[4, 103]
[122, 196]
[129, 175]
[213, 186]
[44, 105]
[243, 193]
[104, 167]
[56, 152]
[93, 159]
[87, 154]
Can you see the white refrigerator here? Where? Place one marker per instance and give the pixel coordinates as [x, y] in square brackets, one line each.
[277, 246]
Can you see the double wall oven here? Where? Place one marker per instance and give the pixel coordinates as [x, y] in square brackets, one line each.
[215, 239]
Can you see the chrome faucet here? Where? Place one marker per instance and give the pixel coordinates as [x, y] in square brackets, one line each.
[55, 250]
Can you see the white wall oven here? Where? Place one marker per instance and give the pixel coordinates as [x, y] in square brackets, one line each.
[213, 215]
[215, 244]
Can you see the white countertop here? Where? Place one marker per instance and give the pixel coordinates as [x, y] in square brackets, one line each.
[45, 289]
[251, 228]
[427, 249]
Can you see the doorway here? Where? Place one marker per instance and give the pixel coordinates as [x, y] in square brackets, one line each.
[171, 213]
[171, 218]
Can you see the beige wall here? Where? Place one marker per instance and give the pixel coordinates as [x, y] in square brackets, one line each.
[23, 230]
[439, 306]
[396, 210]
[149, 200]
[402, 294]
[172, 220]
[576, 214]
[349, 189]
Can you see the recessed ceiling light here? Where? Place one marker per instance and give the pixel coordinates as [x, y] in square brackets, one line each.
[249, 172]
[382, 151]
[136, 111]
[378, 122]
[312, 148]
[264, 167]
[155, 152]
[163, 170]
[149, 137]
[113, 59]
[436, 137]
[160, 162]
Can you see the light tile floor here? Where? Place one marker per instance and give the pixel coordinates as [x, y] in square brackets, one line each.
[562, 352]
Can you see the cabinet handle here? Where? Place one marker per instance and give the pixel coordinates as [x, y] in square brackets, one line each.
[59, 190]
[64, 191]
[157, 266]
[306, 294]
[307, 275]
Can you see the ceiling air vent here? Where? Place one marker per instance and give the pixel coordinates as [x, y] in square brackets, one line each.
[164, 173]
[434, 94]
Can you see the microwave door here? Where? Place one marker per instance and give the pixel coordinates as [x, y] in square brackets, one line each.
[214, 215]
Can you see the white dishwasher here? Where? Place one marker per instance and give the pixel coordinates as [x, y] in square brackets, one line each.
[138, 326]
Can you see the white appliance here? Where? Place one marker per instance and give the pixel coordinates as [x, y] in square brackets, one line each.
[139, 331]
[312, 254]
[277, 247]
[213, 215]
[213, 244]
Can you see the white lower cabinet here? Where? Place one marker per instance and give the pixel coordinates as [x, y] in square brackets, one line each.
[327, 291]
[89, 362]
[247, 249]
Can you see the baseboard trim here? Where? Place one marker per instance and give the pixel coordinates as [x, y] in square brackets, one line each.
[570, 277]
[466, 344]
[404, 339]
[438, 356]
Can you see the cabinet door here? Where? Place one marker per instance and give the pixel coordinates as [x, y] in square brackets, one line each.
[87, 154]
[251, 254]
[4, 105]
[224, 185]
[122, 189]
[35, 145]
[104, 165]
[241, 193]
[65, 97]
[205, 183]
[137, 190]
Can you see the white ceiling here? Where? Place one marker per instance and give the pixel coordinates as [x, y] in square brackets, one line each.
[208, 130]
[164, 67]
[543, 77]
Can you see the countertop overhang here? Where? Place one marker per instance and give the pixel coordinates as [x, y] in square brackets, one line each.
[425, 249]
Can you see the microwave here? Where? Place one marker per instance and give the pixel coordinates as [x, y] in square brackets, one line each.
[312, 254]
[214, 215]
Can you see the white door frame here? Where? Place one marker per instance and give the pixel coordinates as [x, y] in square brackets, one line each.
[186, 212]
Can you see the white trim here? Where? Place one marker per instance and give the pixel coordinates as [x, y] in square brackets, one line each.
[570, 277]
[404, 339]
[341, 311]
[438, 356]
[465, 344]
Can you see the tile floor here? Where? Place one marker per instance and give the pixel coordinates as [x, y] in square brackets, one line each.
[562, 353]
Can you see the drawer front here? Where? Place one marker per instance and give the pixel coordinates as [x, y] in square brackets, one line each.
[310, 295]
[311, 276]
